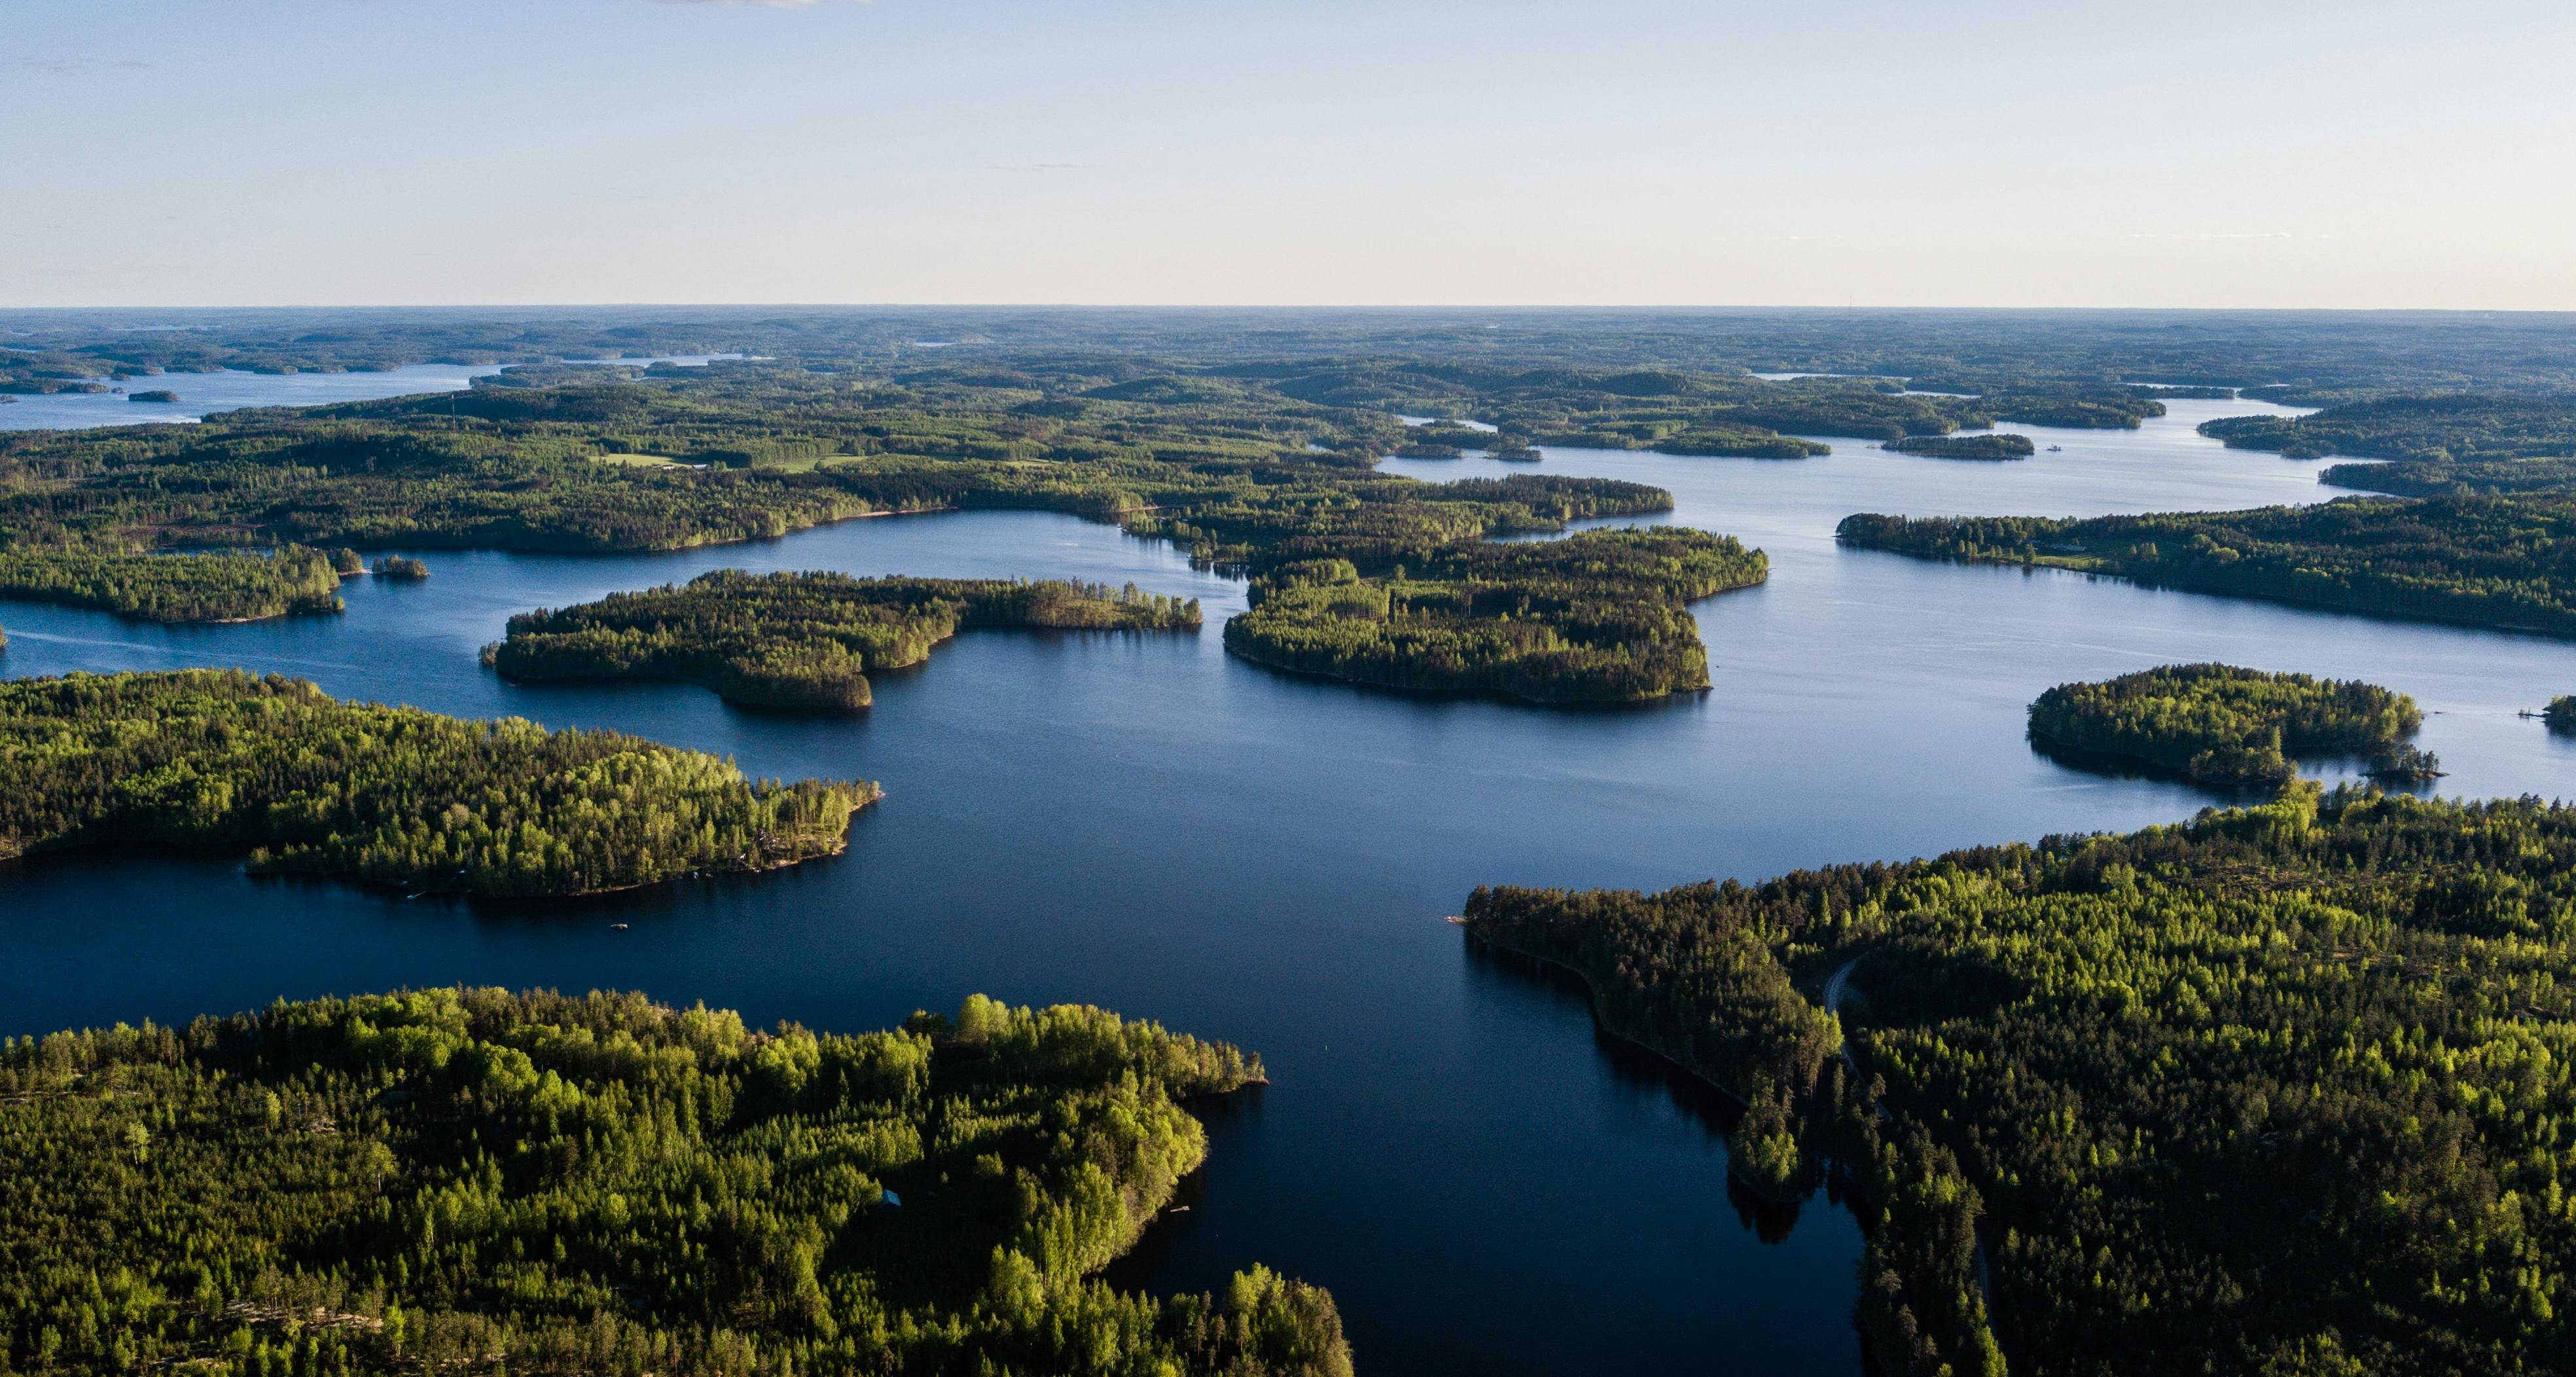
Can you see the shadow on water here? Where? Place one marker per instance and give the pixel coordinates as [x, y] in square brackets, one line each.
[2330, 763]
[1644, 1074]
[1182, 1221]
[1683, 700]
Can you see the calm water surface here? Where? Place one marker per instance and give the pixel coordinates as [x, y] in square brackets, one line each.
[203, 394]
[1146, 824]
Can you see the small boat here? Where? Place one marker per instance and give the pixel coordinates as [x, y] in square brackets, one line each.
[2053, 449]
[617, 927]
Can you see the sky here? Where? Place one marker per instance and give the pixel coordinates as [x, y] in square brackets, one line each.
[2259, 153]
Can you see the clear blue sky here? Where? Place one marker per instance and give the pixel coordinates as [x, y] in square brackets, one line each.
[213, 152]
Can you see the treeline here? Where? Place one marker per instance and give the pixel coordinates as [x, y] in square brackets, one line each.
[397, 796]
[1973, 351]
[221, 587]
[777, 450]
[2044, 401]
[2501, 562]
[2438, 428]
[1965, 446]
[1597, 617]
[2218, 724]
[1668, 410]
[474, 1181]
[804, 640]
[2283, 1089]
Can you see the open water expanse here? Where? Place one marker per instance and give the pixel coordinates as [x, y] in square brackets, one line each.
[1143, 823]
[203, 394]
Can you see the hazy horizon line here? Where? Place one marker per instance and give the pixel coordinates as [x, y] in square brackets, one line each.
[1282, 307]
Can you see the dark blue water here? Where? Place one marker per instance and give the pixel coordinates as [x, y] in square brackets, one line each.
[1146, 824]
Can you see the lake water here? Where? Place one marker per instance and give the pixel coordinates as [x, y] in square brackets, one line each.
[1144, 823]
[203, 394]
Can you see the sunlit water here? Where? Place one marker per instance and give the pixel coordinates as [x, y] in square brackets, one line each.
[1147, 824]
[203, 394]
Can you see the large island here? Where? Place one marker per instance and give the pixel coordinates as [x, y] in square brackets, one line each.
[470, 1180]
[393, 795]
[2280, 1089]
[804, 640]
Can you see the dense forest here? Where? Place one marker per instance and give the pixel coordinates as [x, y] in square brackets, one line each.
[397, 796]
[232, 586]
[2281, 1089]
[1671, 411]
[1246, 479]
[1966, 446]
[757, 452]
[2504, 562]
[1597, 617]
[2306, 356]
[804, 640]
[470, 1180]
[2218, 724]
[2448, 427]
[2438, 477]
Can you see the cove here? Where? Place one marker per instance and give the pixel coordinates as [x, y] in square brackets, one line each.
[1144, 823]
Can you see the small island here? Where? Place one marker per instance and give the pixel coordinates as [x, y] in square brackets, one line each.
[157, 394]
[2561, 714]
[1598, 617]
[1994, 446]
[2404, 764]
[2230, 727]
[804, 640]
[401, 568]
[480, 1181]
[396, 796]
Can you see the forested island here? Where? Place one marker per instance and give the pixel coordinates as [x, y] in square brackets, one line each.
[2438, 428]
[396, 796]
[1682, 411]
[219, 587]
[2502, 562]
[1598, 617]
[2281, 1089]
[400, 569]
[470, 1180]
[1965, 446]
[804, 640]
[1243, 478]
[2218, 724]
[153, 394]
